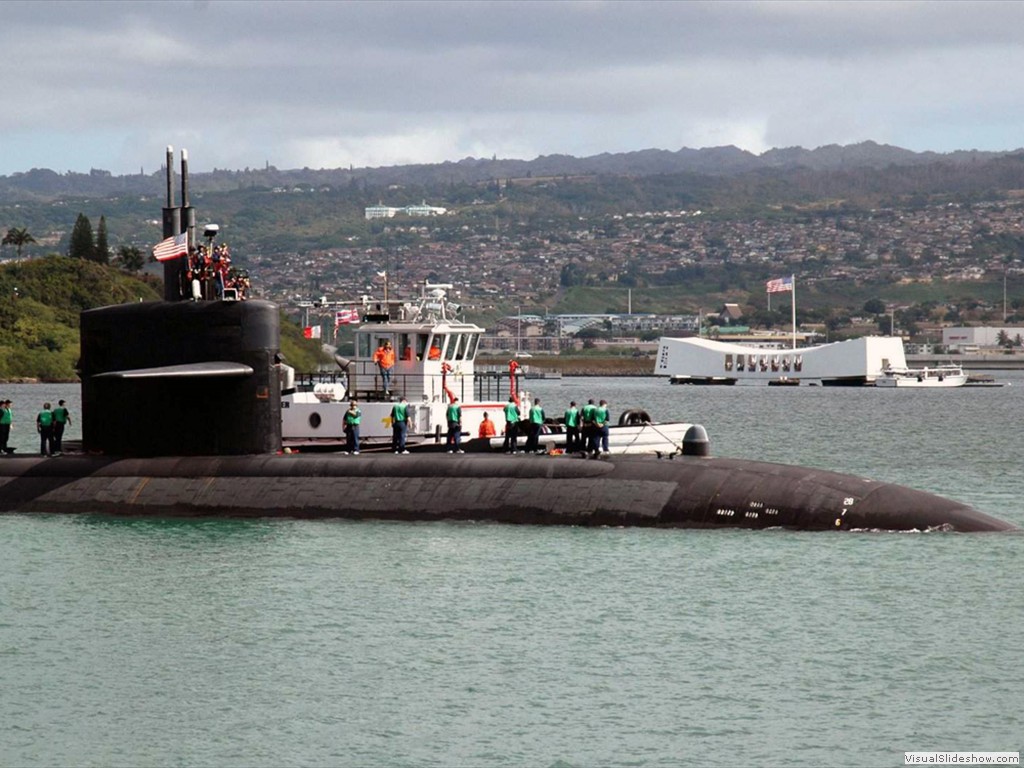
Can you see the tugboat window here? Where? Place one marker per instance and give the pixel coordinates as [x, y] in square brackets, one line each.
[436, 347]
[363, 345]
[404, 350]
[454, 347]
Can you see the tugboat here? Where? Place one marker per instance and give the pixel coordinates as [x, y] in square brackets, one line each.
[434, 364]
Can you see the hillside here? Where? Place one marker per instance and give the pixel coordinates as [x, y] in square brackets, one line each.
[267, 212]
[40, 303]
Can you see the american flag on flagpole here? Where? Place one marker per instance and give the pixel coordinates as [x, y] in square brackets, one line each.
[779, 285]
[173, 247]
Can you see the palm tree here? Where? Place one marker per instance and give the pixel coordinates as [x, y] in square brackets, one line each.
[18, 237]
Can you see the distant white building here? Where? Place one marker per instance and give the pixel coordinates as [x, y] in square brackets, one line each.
[388, 212]
[424, 210]
[380, 211]
[978, 336]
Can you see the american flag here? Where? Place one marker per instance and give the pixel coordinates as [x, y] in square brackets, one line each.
[779, 285]
[173, 247]
[345, 316]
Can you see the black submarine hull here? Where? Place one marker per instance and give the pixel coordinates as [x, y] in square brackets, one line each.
[684, 492]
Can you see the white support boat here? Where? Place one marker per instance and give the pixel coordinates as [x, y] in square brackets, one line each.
[940, 376]
[435, 362]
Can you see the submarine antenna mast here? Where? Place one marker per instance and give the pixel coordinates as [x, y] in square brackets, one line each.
[171, 227]
[188, 220]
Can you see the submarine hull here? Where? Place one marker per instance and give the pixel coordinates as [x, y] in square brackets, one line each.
[685, 492]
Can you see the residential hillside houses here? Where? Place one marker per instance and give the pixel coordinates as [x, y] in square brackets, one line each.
[490, 266]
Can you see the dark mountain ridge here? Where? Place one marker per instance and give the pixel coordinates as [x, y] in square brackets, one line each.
[44, 184]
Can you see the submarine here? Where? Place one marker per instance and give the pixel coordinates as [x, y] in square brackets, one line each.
[182, 417]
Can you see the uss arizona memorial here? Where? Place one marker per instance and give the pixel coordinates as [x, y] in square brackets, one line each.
[843, 363]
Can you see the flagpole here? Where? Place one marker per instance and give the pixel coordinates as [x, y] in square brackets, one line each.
[793, 281]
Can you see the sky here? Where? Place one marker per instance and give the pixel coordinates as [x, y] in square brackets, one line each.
[108, 85]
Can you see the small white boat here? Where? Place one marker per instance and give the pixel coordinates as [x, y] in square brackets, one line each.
[436, 355]
[634, 433]
[941, 376]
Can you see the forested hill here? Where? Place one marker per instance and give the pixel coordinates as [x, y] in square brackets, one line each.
[40, 303]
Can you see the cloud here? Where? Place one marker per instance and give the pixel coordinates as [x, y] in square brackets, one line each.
[108, 84]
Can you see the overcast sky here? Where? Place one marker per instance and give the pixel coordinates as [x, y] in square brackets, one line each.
[327, 85]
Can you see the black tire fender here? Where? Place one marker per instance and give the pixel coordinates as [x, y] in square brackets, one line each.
[634, 417]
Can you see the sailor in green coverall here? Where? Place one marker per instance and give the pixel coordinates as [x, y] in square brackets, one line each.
[44, 426]
[511, 425]
[399, 425]
[61, 419]
[572, 428]
[352, 418]
[536, 420]
[454, 426]
[590, 436]
[6, 419]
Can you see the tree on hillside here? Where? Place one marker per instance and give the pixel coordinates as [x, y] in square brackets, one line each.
[19, 238]
[82, 245]
[131, 258]
[874, 307]
[102, 251]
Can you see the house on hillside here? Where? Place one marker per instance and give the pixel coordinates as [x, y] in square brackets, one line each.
[730, 314]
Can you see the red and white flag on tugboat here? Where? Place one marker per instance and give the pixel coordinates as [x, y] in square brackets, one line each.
[311, 332]
[345, 316]
[779, 285]
[173, 247]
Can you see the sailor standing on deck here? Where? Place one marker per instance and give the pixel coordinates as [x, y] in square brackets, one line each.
[352, 418]
[61, 419]
[44, 426]
[384, 357]
[511, 425]
[587, 415]
[601, 419]
[399, 425]
[6, 418]
[454, 426]
[572, 428]
[536, 420]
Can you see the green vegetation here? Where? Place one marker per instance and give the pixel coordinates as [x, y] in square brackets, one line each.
[40, 301]
[19, 237]
[300, 353]
[83, 243]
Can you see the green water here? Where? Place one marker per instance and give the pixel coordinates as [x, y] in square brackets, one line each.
[260, 643]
